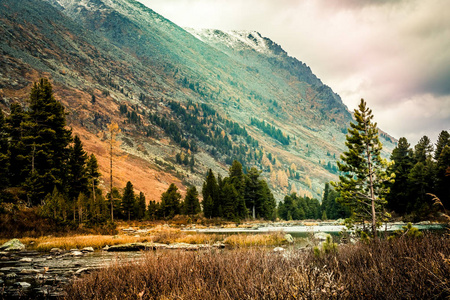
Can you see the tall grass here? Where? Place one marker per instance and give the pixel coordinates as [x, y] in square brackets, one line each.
[405, 268]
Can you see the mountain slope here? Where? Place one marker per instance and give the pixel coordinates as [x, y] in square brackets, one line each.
[175, 91]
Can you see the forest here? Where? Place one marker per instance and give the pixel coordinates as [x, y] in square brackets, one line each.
[44, 165]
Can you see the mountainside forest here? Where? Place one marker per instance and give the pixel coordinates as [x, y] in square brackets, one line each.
[185, 101]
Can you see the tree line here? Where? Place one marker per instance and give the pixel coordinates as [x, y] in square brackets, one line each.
[42, 163]
[420, 171]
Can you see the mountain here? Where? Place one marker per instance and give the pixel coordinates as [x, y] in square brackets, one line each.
[175, 93]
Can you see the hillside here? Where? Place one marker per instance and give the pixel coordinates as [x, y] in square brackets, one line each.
[213, 95]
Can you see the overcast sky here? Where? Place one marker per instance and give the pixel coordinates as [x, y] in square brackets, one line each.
[393, 53]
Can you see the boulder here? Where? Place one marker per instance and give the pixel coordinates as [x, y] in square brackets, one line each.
[87, 249]
[12, 245]
[289, 238]
[321, 236]
[11, 276]
[105, 248]
[76, 253]
[56, 250]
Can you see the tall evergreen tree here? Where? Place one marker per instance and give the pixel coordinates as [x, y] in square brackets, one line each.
[19, 158]
[140, 207]
[170, 202]
[267, 202]
[128, 201]
[421, 182]
[92, 174]
[362, 187]
[238, 182]
[208, 206]
[211, 189]
[191, 205]
[423, 149]
[47, 142]
[77, 173]
[443, 140]
[252, 197]
[400, 193]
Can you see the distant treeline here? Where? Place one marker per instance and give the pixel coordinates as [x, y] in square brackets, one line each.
[271, 131]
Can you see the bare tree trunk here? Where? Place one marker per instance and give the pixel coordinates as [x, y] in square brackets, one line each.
[372, 194]
[111, 177]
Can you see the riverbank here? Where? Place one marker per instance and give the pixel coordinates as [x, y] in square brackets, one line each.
[403, 268]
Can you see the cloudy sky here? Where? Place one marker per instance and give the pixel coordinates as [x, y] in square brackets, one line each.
[393, 53]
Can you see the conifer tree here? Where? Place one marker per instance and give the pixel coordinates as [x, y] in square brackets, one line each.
[128, 200]
[443, 140]
[92, 174]
[170, 202]
[252, 197]
[423, 149]
[363, 185]
[208, 205]
[237, 180]
[140, 207]
[211, 189]
[77, 173]
[191, 204]
[19, 157]
[400, 194]
[47, 141]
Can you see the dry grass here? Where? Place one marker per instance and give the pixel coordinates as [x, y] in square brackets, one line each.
[79, 241]
[405, 268]
[199, 238]
[250, 240]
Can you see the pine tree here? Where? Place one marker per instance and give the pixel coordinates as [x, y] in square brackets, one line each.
[208, 205]
[92, 174]
[443, 140]
[423, 149]
[77, 173]
[211, 189]
[47, 141]
[400, 194]
[140, 207]
[128, 201]
[362, 187]
[237, 180]
[267, 202]
[191, 204]
[19, 157]
[170, 202]
[252, 199]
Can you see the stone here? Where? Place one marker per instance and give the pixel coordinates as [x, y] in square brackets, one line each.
[12, 245]
[76, 253]
[289, 238]
[11, 276]
[105, 248]
[279, 249]
[24, 285]
[128, 229]
[87, 249]
[26, 259]
[321, 236]
[56, 250]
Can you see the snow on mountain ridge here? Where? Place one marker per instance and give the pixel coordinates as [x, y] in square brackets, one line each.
[238, 40]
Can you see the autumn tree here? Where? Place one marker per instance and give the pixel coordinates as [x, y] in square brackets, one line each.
[362, 186]
[113, 131]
